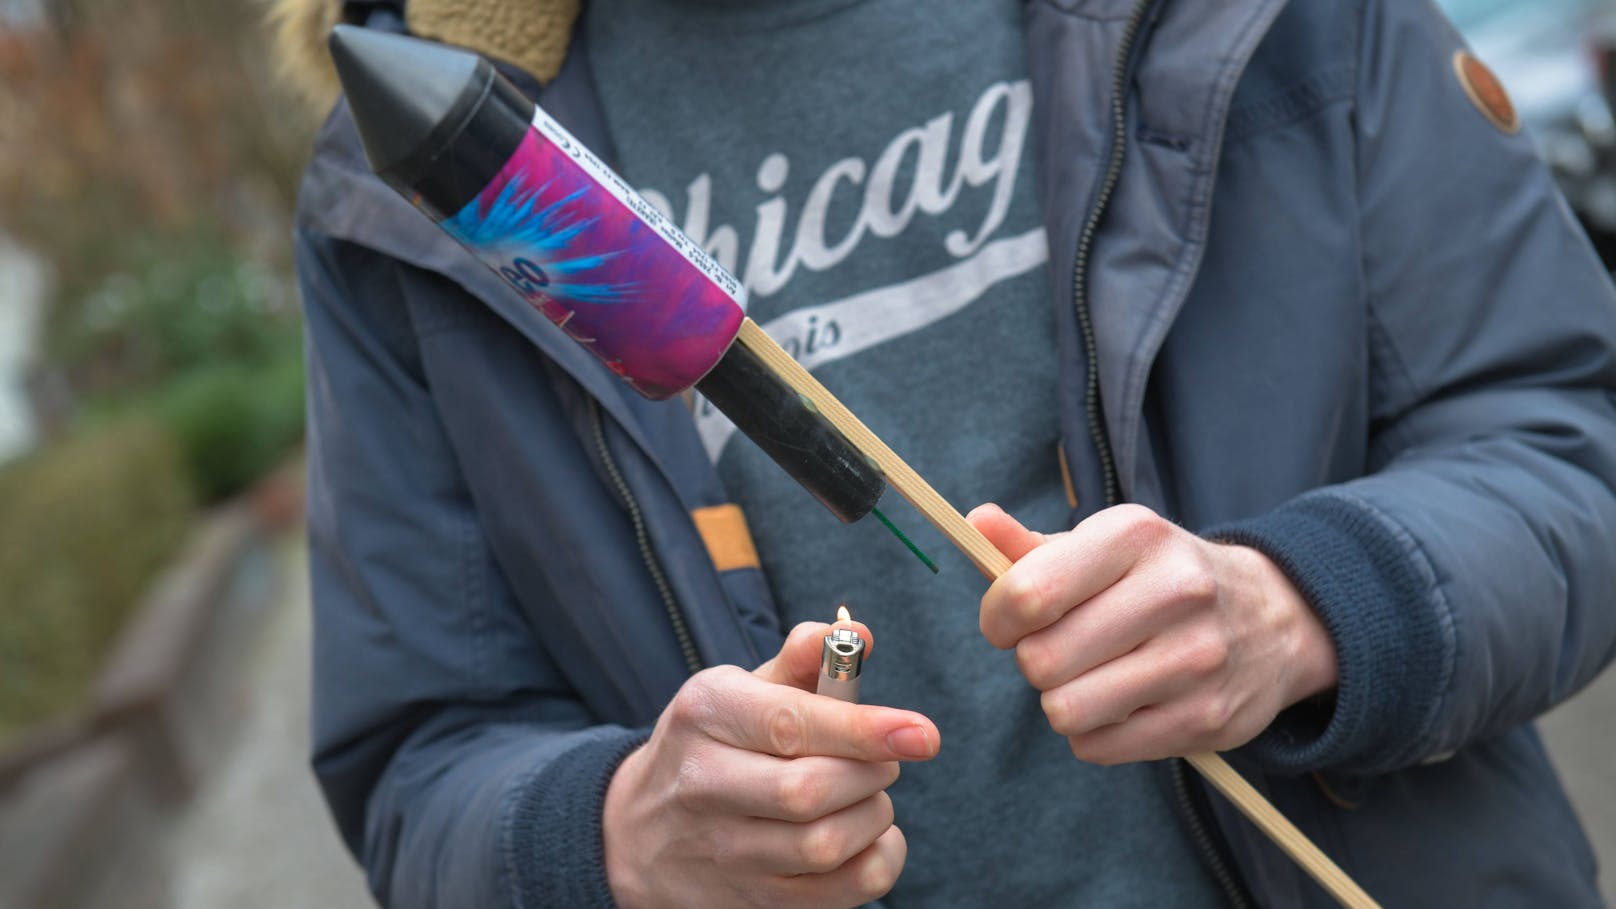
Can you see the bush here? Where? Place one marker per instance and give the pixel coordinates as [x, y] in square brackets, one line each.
[177, 304]
[85, 525]
[211, 344]
[234, 422]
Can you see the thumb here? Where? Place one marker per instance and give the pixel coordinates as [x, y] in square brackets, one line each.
[1005, 532]
[797, 663]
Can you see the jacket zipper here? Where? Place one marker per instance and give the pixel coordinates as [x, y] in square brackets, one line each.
[1101, 436]
[681, 629]
[1232, 887]
[1085, 247]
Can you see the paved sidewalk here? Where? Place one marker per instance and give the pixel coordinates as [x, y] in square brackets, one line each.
[257, 835]
[1581, 736]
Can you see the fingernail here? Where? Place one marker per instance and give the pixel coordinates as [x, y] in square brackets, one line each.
[910, 742]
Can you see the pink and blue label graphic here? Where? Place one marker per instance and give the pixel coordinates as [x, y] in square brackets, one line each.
[590, 255]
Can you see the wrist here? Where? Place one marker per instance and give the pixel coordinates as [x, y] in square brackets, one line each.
[616, 828]
[1311, 665]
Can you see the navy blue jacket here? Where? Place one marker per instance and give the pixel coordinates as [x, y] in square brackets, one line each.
[1337, 315]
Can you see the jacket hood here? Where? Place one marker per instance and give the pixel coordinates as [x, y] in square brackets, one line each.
[532, 34]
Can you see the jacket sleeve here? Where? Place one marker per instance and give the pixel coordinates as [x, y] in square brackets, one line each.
[1468, 581]
[460, 767]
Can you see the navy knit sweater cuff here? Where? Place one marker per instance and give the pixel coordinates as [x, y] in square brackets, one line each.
[555, 852]
[1392, 641]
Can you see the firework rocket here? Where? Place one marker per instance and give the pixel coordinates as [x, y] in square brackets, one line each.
[450, 134]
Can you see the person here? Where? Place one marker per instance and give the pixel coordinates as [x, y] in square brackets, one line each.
[1288, 372]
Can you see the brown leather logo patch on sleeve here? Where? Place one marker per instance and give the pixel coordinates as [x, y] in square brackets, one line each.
[723, 529]
[1486, 92]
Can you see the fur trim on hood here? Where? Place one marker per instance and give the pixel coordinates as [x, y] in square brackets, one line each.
[532, 34]
[297, 38]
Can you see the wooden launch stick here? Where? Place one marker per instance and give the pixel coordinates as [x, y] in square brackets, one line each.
[993, 563]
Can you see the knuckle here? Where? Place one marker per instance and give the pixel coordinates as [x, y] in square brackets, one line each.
[1058, 710]
[890, 776]
[1190, 579]
[695, 703]
[878, 876]
[1213, 716]
[1034, 662]
[877, 880]
[799, 795]
[787, 730]
[1023, 599]
[821, 848]
[885, 814]
[1140, 525]
[1204, 655]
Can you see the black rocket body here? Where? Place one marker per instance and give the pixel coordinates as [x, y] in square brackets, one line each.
[443, 128]
[437, 123]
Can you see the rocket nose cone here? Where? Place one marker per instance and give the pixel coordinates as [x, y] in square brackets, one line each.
[400, 89]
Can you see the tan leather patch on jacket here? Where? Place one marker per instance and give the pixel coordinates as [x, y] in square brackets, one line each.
[1486, 92]
[729, 542]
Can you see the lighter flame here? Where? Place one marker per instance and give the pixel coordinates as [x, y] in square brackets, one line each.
[842, 615]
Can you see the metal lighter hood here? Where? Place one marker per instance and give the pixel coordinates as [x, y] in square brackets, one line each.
[841, 661]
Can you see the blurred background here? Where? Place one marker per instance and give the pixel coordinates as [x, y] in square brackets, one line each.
[153, 606]
[153, 610]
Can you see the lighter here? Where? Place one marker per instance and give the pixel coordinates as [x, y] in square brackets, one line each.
[841, 661]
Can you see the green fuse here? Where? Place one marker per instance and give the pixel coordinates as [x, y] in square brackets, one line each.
[904, 540]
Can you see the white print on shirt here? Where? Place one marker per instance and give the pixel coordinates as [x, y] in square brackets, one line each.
[820, 334]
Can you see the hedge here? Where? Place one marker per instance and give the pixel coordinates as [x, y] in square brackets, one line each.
[85, 523]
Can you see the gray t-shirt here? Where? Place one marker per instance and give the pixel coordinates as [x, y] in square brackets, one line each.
[864, 168]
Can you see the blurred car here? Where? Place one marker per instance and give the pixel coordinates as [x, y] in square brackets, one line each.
[1557, 59]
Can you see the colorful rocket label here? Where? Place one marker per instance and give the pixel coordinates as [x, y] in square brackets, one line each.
[602, 264]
